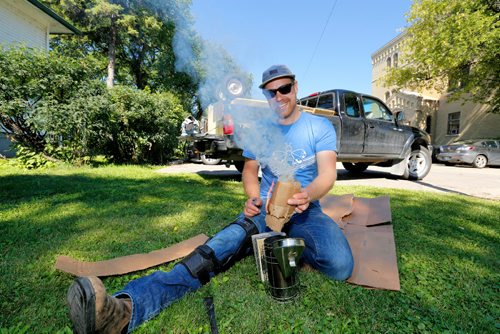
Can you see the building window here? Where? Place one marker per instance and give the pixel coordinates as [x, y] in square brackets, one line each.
[428, 124]
[395, 60]
[387, 96]
[389, 62]
[459, 79]
[453, 123]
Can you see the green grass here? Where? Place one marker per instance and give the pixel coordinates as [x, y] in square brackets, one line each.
[447, 247]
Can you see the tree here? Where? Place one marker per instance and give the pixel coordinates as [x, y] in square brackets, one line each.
[107, 16]
[105, 23]
[51, 99]
[148, 43]
[452, 45]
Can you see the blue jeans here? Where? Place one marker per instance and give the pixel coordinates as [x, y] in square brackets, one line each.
[326, 250]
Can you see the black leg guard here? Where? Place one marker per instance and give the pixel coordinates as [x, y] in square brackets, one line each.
[250, 229]
[201, 262]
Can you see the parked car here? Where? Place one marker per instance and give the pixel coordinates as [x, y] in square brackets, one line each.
[477, 152]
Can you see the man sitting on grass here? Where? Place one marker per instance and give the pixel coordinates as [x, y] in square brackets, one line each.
[327, 250]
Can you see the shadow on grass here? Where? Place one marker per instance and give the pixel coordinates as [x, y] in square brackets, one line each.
[447, 247]
[343, 174]
[40, 206]
[92, 217]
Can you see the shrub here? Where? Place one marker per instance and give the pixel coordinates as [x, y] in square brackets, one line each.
[59, 107]
[31, 80]
[144, 125]
[81, 126]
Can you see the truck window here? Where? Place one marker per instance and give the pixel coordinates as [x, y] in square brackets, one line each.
[375, 110]
[326, 101]
[351, 105]
[311, 102]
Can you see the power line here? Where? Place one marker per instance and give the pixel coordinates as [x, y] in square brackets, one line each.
[320, 37]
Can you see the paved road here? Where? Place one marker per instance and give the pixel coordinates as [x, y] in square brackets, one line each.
[483, 183]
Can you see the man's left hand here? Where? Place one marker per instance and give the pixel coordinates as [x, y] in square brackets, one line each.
[301, 201]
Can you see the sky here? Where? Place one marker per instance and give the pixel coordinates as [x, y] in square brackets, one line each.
[327, 43]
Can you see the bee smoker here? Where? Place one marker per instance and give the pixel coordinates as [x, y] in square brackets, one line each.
[281, 256]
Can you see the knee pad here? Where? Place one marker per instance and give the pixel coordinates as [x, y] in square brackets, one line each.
[250, 228]
[201, 262]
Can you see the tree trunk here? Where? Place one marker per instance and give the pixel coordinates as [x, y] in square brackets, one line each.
[112, 53]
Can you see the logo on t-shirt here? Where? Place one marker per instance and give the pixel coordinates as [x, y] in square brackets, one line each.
[294, 159]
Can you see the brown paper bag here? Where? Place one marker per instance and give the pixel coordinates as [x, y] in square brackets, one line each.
[279, 210]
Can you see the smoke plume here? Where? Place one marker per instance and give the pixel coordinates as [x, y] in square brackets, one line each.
[256, 129]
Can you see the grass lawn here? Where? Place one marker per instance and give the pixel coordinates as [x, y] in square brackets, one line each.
[448, 249]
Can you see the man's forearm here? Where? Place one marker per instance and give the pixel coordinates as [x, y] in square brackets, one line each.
[252, 189]
[321, 185]
[327, 175]
[250, 179]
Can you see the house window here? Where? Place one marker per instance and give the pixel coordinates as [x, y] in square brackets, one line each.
[387, 96]
[395, 60]
[389, 62]
[459, 79]
[453, 123]
[428, 124]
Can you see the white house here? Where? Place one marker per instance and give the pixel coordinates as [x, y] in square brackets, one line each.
[30, 23]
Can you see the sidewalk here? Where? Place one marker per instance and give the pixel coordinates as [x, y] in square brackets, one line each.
[482, 183]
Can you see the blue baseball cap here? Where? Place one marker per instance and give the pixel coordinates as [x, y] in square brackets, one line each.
[276, 72]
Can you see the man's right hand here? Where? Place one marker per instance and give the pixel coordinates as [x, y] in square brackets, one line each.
[252, 207]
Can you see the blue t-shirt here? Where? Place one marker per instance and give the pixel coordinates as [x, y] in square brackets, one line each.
[309, 135]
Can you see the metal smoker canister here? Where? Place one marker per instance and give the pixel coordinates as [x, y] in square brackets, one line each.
[281, 256]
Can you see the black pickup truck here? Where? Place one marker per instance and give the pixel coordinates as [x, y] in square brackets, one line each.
[367, 133]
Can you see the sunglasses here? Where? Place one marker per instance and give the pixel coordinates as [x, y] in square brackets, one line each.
[283, 90]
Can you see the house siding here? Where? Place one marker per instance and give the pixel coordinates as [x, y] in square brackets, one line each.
[21, 23]
[17, 28]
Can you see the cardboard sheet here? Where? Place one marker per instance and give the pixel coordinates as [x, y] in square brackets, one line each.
[126, 264]
[337, 207]
[374, 252]
[371, 237]
[369, 211]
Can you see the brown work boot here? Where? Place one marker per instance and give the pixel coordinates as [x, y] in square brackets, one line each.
[93, 311]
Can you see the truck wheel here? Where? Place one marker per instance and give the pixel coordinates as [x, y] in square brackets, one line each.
[418, 164]
[209, 161]
[357, 167]
[480, 161]
[239, 165]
